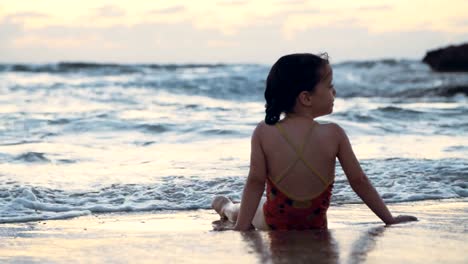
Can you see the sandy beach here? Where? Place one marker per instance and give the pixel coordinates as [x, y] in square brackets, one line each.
[129, 156]
[355, 235]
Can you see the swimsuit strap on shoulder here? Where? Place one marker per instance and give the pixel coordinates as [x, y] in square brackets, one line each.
[299, 152]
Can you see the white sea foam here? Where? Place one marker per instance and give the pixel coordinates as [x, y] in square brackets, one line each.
[398, 180]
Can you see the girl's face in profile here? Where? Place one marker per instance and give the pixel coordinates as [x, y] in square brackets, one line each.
[324, 93]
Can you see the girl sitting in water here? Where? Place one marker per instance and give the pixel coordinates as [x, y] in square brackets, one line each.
[295, 156]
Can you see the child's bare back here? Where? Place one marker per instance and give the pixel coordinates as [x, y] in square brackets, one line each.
[320, 143]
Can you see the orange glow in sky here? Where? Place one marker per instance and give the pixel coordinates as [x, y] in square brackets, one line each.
[225, 31]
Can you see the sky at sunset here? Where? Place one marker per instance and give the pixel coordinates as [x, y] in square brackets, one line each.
[204, 31]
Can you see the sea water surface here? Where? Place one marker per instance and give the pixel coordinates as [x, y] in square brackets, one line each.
[81, 138]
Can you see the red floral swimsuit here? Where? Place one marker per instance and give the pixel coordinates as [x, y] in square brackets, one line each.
[284, 213]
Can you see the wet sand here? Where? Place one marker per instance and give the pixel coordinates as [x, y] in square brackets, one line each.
[355, 235]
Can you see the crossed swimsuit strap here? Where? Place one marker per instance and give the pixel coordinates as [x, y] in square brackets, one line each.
[299, 152]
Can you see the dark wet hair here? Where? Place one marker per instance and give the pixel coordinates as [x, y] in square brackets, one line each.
[288, 77]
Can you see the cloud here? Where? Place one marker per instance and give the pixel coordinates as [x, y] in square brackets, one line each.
[9, 30]
[189, 33]
[222, 44]
[232, 3]
[300, 11]
[463, 22]
[375, 8]
[22, 16]
[110, 11]
[181, 43]
[291, 2]
[357, 43]
[168, 10]
[149, 42]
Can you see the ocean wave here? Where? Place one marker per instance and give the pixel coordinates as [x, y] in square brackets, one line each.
[374, 63]
[32, 157]
[398, 180]
[72, 67]
[59, 121]
[29, 203]
[457, 148]
[18, 142]
[398, 110]
[154, 128]
[443, 91]
[98, 68]
[220, 132]
[446, 91]
[406, 180]
[384, 78]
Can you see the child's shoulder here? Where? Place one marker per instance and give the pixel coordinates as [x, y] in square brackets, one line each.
[332, 129]
[328, 125]
[262, 126]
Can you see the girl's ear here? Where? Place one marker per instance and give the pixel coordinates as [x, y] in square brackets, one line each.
[305, 98]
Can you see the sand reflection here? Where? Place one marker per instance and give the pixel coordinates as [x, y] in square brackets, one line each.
[364, 244]
[314, 246]
[293, 246]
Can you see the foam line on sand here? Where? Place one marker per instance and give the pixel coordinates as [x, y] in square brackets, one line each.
[355, 235]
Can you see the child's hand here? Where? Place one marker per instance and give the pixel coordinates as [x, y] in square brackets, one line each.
[402, 219]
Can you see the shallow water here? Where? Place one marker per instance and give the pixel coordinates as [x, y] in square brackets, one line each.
[87, 138]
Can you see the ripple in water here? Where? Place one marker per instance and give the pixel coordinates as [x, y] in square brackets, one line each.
[32, 157]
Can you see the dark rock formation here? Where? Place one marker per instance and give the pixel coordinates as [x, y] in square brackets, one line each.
[449, 59]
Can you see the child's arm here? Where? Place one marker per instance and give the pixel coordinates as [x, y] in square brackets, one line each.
[361, 184]
[255, 184]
